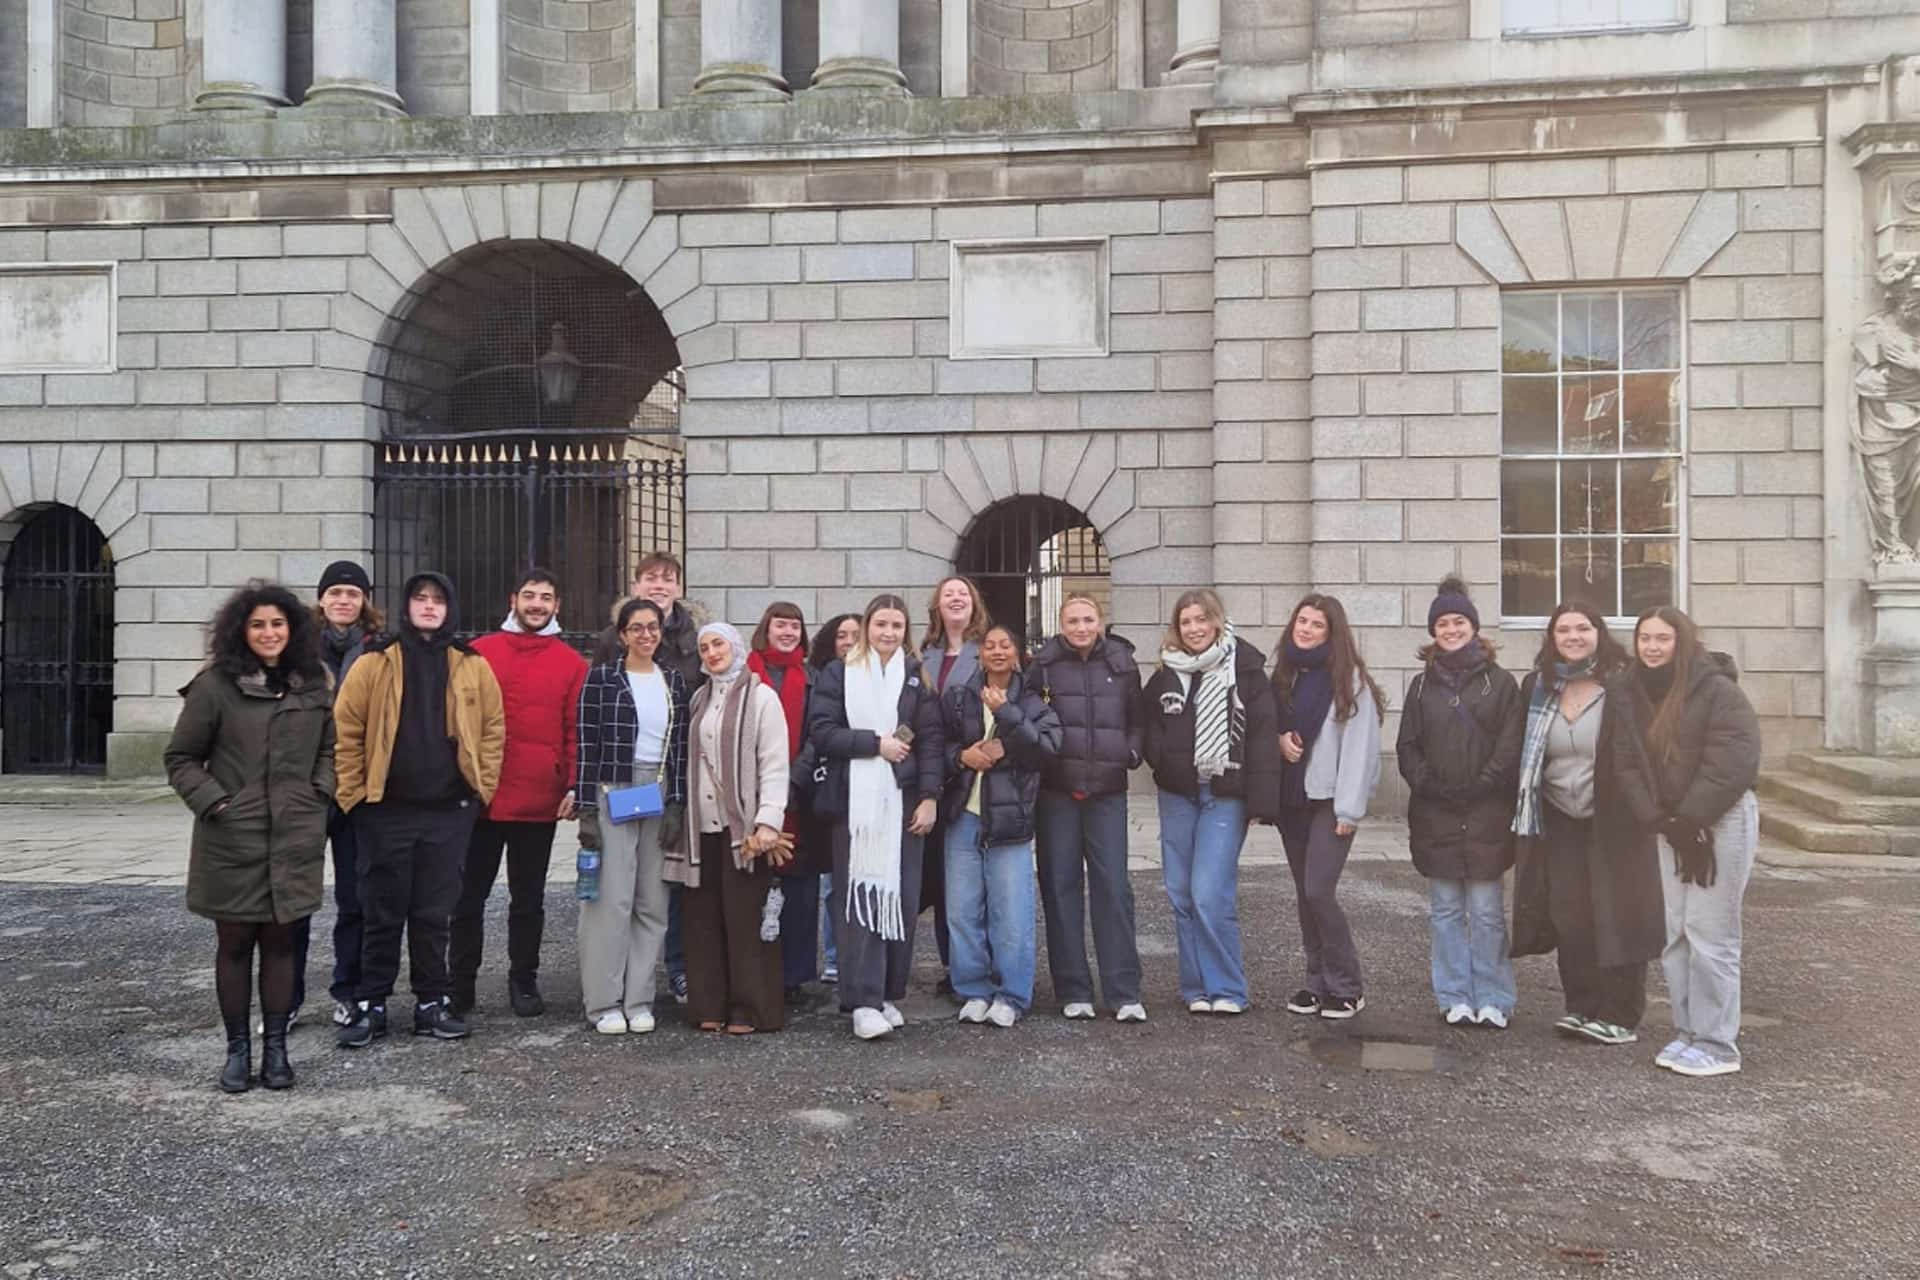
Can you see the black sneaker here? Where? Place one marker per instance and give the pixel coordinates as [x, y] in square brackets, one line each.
[677, 983]
[437, 1019]
[1303, 1001]
[366, 1024]
[526, 1000]
[1342, 1006]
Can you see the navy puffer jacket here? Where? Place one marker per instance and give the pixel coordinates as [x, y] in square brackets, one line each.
[1097, 699]
[1030, 731]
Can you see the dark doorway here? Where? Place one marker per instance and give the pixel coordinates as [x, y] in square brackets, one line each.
[56, 686]
[1027, 555]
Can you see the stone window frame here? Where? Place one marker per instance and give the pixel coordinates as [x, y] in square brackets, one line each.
[1619, 455]
[1487, 20]
[110, 271]
[961, 348]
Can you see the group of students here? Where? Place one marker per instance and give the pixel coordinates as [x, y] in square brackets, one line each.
[721, 785]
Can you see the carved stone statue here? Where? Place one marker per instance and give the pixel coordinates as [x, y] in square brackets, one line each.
[1886, 417]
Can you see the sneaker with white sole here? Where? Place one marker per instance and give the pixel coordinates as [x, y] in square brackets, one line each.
[1303, 1002]
[894, 1017]
[343, 1011]
[830, 975]
[1001, 1014]
[1199, 1006]
[1699, 1061]
[1135, 1012]
[677, 983]
[770, 914]
[1570, 1025]
[1675, 1047]
[1079, 1009]
[1491, 1016]
[1340, 1008]
[1607, 1032]
[611, 1023]
[1229, 1007]
[640, 1021]
[1460, 1015]
[870, 1023]
[974, 1011]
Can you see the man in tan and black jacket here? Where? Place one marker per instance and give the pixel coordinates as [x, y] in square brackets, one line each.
[424, 729]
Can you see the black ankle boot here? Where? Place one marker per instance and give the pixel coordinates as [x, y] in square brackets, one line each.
[275, 1071]
[237, 1075]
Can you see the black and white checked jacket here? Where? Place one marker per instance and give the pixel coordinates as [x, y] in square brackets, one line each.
[609, 724]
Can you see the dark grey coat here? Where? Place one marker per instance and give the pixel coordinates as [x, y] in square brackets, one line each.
[1101, 719]
[1461, 759]
[1030, 731]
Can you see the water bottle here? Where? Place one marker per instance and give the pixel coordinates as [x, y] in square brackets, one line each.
[587, 866]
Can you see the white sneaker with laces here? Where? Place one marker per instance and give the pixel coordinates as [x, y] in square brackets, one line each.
[1079, 1009]
[1460, 1015]
[1199, 1006]
[870, 1023]
[974, 1011]
[1002, 1014]
[894, 1017]
[611, 1023]
[1490, 1016]
[1675, 1047]
[1135, 1012]
[1228, 1007]
[640, 1021]
[1699, 1062]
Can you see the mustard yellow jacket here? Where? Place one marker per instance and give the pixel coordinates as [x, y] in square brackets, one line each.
[366, 715]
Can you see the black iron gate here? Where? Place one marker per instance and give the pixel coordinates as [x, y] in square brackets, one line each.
[1025, 555]
[482, 514]
[56, 689]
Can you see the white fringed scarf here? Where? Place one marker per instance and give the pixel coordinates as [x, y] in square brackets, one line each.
[875, 819]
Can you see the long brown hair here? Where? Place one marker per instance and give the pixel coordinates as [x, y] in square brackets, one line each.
[885, 600]
[937, 630]
[1608, 656]
[1346, 666]
[778, 609]
[1208, 600]
[1662, 732]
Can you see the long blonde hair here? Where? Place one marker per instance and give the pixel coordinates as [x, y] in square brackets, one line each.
[885, 600]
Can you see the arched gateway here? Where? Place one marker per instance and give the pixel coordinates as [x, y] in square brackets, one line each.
[56, 680]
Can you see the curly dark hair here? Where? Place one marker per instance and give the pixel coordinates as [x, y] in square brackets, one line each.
[227, 633]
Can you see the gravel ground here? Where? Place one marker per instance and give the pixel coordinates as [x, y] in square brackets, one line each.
[1267, 1145]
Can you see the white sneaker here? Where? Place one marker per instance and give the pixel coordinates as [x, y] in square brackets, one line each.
[1460, 1015]
[343, 1011]
[1490, 1016]
[1228, 1006]
[1135, 1012]
[1698, 1061]
[1079, 1009]
[973, 1011]
[1002, 1014]
[1199, 1006]
[870, 1024]
[894, 1017]
[1669, 1055]
[611, 1023]
[640, 1021]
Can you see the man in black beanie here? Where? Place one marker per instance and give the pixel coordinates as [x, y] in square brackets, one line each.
[420, 732]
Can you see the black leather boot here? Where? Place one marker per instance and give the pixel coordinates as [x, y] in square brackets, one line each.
[237, 1075]
[275, 1071]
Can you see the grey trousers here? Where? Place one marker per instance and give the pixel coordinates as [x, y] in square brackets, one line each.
[1316, 857]
[1082, 855]
[1702, 959]
[623, 931]
[873, 970]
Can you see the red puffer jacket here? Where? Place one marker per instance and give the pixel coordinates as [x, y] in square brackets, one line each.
[540, 678]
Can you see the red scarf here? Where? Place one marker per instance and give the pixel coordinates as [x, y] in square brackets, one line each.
[793, 697]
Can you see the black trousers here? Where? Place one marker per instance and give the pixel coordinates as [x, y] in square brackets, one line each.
[1609, 993]
[410, 861]
[528, 847]
[346, 918]
[800, 928]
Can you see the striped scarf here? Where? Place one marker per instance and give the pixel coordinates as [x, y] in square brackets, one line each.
[1219, 717]
[1533, 750]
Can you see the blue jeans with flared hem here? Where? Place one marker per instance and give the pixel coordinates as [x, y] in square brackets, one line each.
[1470, 962]
[990, 901]
[1200, 843]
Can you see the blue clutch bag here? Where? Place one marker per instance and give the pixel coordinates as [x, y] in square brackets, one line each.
[630, 804]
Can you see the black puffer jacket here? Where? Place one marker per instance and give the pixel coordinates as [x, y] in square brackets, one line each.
[1101, 721]
[1716, 749]
[1030, 731]
[1461, 759]
[1255, 775]
[921, 775]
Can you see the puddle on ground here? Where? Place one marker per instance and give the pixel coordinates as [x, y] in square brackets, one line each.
[914, 1102]
[1373, 1053]
[605, 1200]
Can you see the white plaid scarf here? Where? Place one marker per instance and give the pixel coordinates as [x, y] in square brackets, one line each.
[1533, 749]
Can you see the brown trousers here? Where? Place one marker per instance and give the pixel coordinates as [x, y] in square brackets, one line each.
[732, 976]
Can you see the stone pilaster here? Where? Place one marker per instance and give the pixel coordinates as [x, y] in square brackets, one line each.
[245, 56]
[859, 47]
[1196, 53]
[740, 50]
[355, 69]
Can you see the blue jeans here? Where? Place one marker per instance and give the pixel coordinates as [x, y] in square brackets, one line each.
[1470, 963]
[826, 922]
[1200, 862]
[990, 893]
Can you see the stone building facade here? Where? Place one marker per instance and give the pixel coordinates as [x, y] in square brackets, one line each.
[1272, 294]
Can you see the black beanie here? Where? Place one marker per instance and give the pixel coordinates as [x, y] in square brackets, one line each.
[1453, 598]
[344, 573]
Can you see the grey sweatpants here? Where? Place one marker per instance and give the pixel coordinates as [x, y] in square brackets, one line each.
[1702, 959]
[873, 970]
[623, 931]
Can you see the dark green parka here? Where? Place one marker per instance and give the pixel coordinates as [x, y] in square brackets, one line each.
[264, 760]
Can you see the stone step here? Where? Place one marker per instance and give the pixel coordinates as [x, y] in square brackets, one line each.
[1861, 773]
[1795, 826]
[1837, 803]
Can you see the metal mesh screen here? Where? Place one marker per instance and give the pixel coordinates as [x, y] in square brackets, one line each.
[1027, 555]
[56, 683]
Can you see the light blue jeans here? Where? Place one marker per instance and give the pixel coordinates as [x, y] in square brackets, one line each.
[1470, 962]
[1200, 864]
[990, 906]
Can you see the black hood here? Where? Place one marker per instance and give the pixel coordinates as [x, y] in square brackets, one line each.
[440, 638]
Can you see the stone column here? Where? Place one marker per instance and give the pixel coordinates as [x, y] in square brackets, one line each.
[355, 68]
[740, 50]
[245, 56]
[1196, 42]
[859, 47]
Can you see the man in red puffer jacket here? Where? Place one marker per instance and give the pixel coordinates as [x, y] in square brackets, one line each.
[540, 676]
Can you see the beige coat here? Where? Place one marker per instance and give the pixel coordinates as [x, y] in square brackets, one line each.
[752, 783]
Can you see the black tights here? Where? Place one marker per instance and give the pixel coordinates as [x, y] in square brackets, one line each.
[233, 970]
